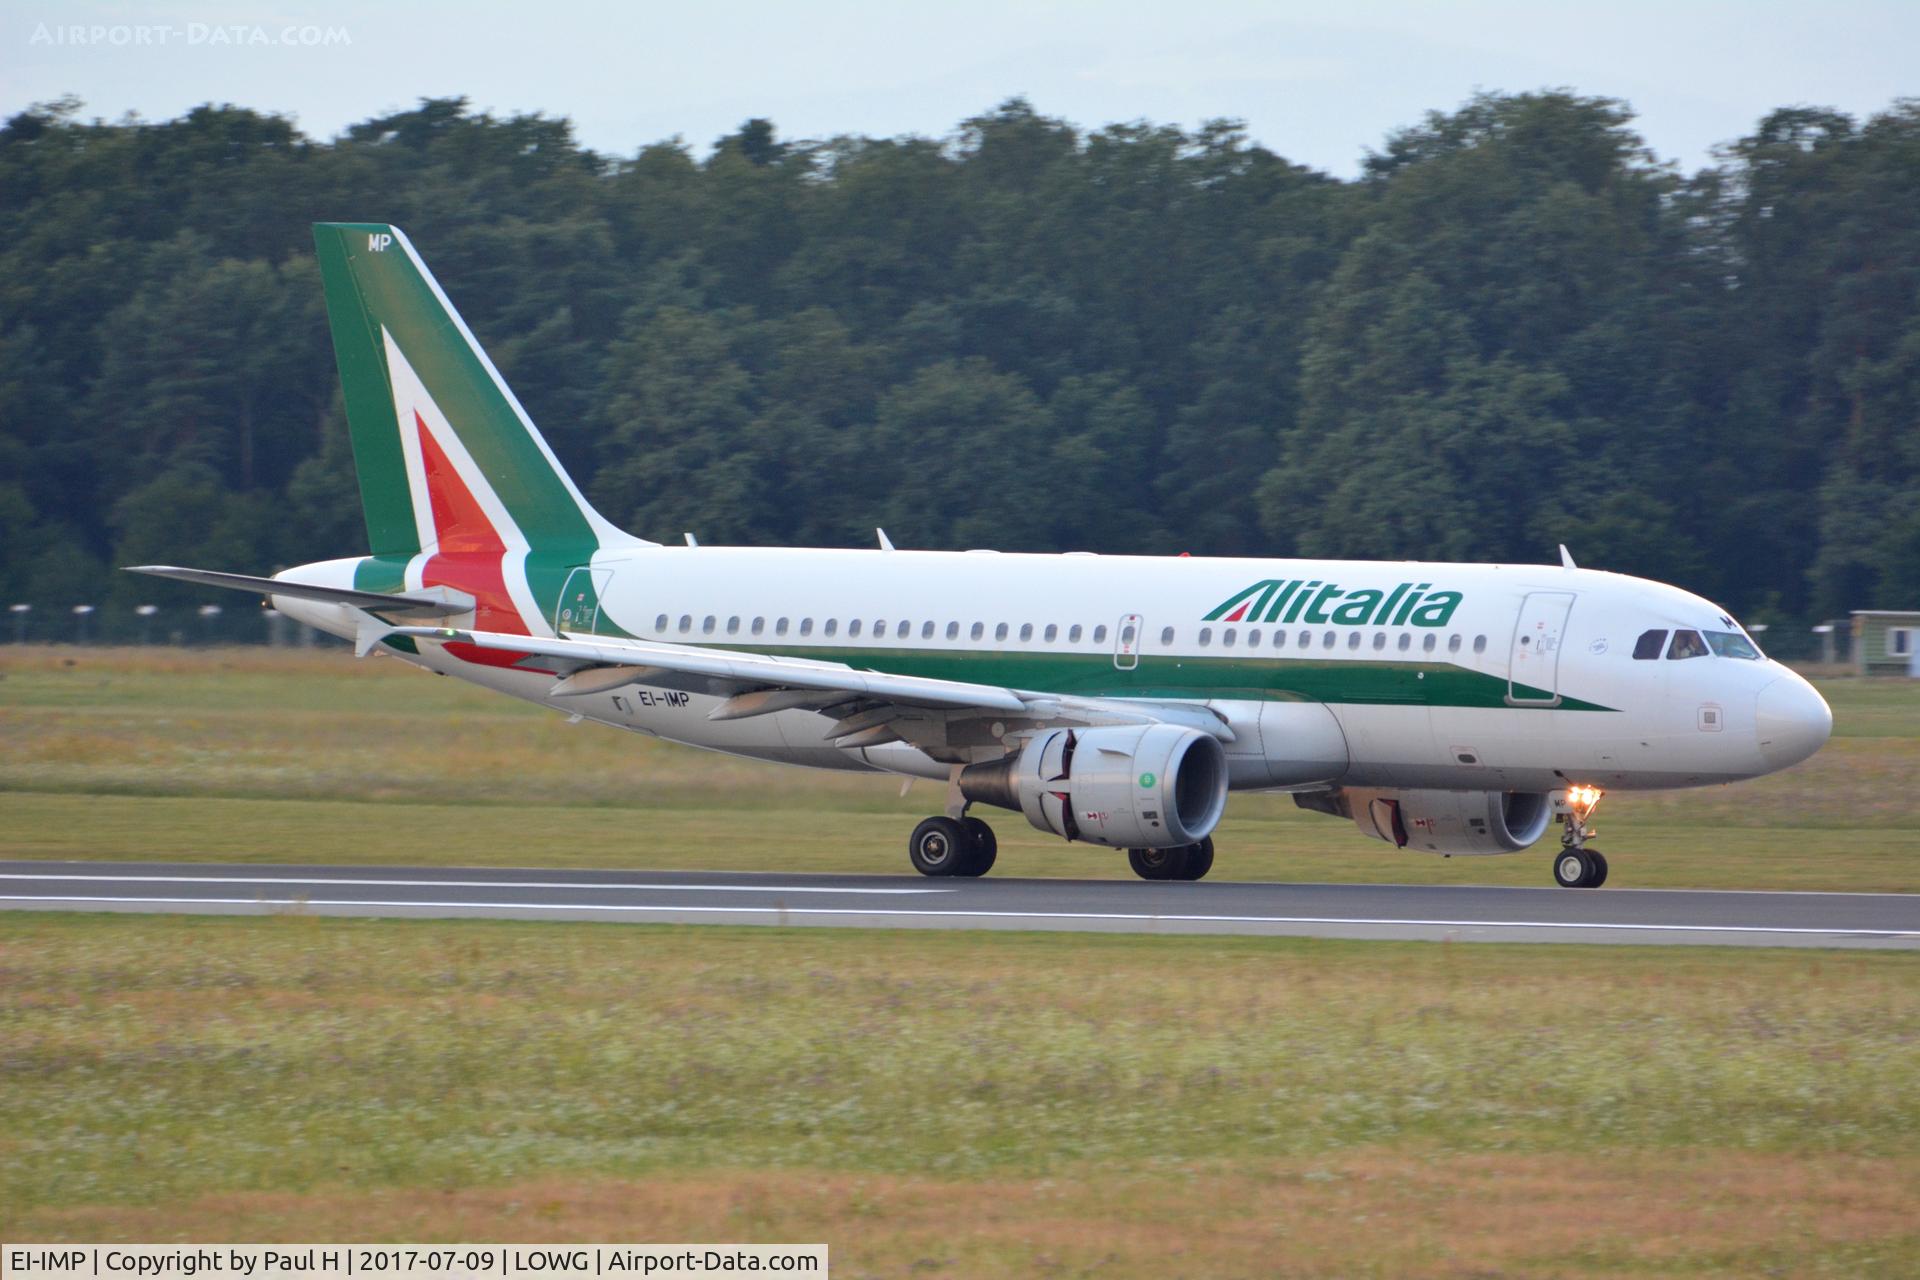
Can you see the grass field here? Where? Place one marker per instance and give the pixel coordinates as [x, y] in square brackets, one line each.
[944, 1104]
[928, 1104]
[264, 756]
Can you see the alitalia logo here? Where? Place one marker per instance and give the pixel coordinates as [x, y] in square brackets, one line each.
[1295, 600]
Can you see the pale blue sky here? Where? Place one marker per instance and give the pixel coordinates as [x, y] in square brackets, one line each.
[1318, 83]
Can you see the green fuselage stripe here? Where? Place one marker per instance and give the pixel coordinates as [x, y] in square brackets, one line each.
[1093, 675]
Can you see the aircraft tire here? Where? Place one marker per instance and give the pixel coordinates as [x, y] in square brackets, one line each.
[939, 847]
[1599, 876]
[1159, 864]
[1199, 860]
[1574, 869]
[983, 849]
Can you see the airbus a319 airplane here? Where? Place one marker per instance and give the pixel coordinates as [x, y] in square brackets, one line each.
[1115, 700]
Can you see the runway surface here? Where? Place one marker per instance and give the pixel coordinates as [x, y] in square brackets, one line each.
[1467, 914]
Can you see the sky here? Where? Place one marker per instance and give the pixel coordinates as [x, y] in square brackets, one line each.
[1319, 83]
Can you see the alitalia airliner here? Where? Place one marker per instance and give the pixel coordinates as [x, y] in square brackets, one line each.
[1112, 700]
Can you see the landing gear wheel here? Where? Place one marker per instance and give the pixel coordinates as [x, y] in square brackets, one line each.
[1580, 869]
[983, 848]
[939, 847]
[1199, 860]
[1159, 864]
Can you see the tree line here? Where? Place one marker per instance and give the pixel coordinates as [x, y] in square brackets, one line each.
[1516, 327]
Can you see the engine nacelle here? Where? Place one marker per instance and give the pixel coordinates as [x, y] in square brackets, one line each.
[1154, 786]
[1441, 821]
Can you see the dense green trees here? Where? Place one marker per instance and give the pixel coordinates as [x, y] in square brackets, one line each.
[1517, 327]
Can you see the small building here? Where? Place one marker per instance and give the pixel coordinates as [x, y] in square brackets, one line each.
[1886, 642]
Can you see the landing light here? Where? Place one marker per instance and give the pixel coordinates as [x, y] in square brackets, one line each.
[1584, 797]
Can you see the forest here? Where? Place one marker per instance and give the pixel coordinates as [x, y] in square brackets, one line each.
[1516, 327]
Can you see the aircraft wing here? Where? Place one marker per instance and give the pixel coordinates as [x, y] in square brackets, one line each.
[603, 664]
[870, 707]
[435, 600]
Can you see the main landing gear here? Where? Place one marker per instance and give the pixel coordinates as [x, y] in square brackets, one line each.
[1186, 862]
[953, 847]
[1576, 866]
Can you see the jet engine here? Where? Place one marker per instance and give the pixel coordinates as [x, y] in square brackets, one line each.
[1154, 786]
[1440, 821]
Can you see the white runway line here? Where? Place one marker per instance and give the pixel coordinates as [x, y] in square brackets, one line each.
[460, 884]
[1140, 917]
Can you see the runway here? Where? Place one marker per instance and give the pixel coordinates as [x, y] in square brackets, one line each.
[1465, 914]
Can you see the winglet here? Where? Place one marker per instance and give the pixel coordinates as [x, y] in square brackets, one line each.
[886, 543]
[1566, 558]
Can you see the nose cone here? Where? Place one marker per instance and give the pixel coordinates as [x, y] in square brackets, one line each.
[1791, 721]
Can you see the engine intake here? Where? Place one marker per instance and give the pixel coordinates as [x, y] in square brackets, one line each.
[1155, 786]
[1464, 822]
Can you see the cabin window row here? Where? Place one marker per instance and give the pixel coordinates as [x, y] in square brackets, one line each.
[1051, 633]
[1429, 643]
[882, 629]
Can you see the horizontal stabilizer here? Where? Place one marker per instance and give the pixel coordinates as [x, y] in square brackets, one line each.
[435, 601]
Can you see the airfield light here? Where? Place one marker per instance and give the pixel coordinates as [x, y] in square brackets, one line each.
[209, 610]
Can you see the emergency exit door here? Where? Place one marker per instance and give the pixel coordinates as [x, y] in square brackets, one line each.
[1533, 666]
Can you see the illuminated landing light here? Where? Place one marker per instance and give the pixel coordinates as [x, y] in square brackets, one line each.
[1580, 804]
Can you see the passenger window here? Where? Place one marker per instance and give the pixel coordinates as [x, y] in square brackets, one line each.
[979, 630]
[1052, 633]
[660, 623]
[1428, 641]
[853, 628]
[1406, 641]
[1326, 641]
[1100, 634]
[1253, 639]
[733, 626]
[832, 625]
[780, 627]
[953, 631]
[686, 623]
[1306, 639]
[1279, 639]
[1206, 636]
[1453, 644]
[1166, 636]
[1000, 632]
[1649, 644]
[1026, 632]
[759, 625]
[806, 626]
[1479, 644]
[706, 625]
[1687, 644]
[1379, 639]
[926, 629]
[1073, 634]
[1227, 638]
[1353, 639]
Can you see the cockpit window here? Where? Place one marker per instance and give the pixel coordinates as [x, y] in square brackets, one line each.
[1731, 644]
[1650, 644]
[1687, 644]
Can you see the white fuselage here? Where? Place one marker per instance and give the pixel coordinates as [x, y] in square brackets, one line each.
[1525, 679]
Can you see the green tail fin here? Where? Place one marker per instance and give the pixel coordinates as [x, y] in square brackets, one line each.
[422, 395]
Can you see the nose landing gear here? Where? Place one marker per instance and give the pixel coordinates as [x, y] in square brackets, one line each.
[1576, 866]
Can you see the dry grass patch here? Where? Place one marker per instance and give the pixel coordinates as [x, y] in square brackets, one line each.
[1359, 1212]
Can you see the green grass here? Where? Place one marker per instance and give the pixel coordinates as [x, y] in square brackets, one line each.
[207, 1068]
[287, 757]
